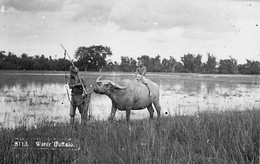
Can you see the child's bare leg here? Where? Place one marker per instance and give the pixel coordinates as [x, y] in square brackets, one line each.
[145, 82]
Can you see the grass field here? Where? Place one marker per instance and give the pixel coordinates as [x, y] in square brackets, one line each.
[208, 137]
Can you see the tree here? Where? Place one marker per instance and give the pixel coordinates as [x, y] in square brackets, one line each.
[62, 64]
[187, 61]
[11, 61]
[2, 59]
[192, 63]
[169, 65]
[92, 58]
[41, 63]
[228, 66]
[251, 67]
[116, 66]
[165, 65]
[110, 66]
[210, 65]
[156, 64]
[127, 64]
[133, 64]
[254, 67]
[198, 64]
[25, 62]
[179, 67]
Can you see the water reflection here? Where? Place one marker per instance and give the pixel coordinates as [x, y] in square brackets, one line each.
[28, 99]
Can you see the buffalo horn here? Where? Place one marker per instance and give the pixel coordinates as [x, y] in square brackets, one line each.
[117, 86]
[98, 79]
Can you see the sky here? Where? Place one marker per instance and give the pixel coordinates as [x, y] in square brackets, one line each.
[133, 28]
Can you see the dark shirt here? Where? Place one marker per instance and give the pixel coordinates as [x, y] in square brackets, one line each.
[78, 89]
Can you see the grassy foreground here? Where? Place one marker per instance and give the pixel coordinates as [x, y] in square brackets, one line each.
[209, 137]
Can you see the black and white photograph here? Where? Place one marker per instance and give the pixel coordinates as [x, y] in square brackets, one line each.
[129, 81]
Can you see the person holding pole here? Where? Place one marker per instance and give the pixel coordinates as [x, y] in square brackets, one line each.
[76, 85]
[80, 98]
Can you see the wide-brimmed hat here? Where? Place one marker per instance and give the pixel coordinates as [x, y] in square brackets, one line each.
[74, 69]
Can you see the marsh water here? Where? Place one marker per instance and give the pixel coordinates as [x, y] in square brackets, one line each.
[28, 98]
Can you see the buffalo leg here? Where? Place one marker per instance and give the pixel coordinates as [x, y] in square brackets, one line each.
[151, 110]
[158, 108]
[113, 113]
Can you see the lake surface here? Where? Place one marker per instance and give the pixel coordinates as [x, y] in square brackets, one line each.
[28, 98]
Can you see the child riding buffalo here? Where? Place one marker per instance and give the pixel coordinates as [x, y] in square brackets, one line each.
[140, 74]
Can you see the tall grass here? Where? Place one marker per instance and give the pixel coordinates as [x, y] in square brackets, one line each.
[209, 137]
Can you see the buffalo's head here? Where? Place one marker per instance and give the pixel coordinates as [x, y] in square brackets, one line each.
[106, 86]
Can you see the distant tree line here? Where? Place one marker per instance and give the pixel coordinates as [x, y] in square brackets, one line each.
[94, 58]
[10, 61]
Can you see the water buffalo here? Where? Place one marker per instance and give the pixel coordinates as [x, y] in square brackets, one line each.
[129, 95]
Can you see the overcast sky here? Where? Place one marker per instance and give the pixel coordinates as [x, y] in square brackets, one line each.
[133, 27]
